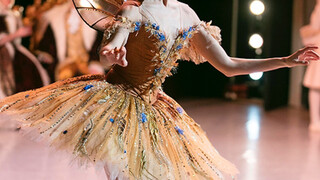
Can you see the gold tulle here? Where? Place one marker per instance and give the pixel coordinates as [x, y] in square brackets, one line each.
[101, 123]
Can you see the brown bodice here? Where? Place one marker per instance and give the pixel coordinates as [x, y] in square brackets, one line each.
[141, 49]
[151, 56]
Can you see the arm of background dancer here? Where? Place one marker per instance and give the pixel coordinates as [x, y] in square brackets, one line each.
[208, 47]
[21, 32]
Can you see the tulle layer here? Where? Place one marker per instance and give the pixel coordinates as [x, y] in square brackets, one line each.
[101, 123]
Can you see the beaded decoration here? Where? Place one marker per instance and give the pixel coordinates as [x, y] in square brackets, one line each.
[103, 123]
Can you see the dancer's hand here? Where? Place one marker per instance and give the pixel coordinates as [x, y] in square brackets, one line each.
[109, 57]
[302, 56]
[45, 58]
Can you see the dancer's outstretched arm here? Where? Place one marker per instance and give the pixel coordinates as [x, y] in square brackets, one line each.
[209, 48]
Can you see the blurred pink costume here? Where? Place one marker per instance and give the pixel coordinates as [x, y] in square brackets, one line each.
[310, 35]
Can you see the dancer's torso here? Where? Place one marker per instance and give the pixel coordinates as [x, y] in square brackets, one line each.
[151, 54]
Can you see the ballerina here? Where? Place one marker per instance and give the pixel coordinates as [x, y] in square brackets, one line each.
[124, 121]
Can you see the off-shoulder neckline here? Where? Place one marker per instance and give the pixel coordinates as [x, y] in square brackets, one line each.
[158, 28]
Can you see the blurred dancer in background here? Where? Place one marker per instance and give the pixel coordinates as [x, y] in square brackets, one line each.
[65, 44]
[19, 69]
[311, 36]
[34, 13]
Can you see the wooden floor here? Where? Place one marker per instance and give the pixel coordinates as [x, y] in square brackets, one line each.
[273, 145]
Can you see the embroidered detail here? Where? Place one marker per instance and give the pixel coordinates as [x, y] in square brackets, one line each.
[137, 26]
[180, 110]
[167, 56]
[180, 131]
[144, 118]
[88, 87]
[190, 52]
[165, 60]
[111, 120]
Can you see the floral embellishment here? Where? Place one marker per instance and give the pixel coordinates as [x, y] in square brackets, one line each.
[161, 36]
[155, 30]
[179, 47]
[137, 26]
[157, 71]
[163, 49]
[88, 87]
[180, 131]
[154, 25]
[167, 57]
[111, 120]
[185, 35]
[144, 118]
[180, 110]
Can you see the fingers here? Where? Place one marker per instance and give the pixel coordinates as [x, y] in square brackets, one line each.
[122, 56]
[309, 55]
[309, 48]
[313, 54]
[313, 47]
[123, 63]
[117, 53]
[105, 50]
[115, 56]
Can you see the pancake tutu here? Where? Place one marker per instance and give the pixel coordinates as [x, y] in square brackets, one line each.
[124, 121]
[101, 123]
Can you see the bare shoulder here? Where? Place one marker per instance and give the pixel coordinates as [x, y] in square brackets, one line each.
[189, 14]
[131, 11]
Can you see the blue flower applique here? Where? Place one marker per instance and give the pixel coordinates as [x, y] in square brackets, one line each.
[88, 87]
[180, 131]
[144, 118]
[185, 35]
[163, 48]
[111, 120]
[179, 47]
[137, 26]
[161, 37]
[180, 110]
[154, 25]
[156, 71]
